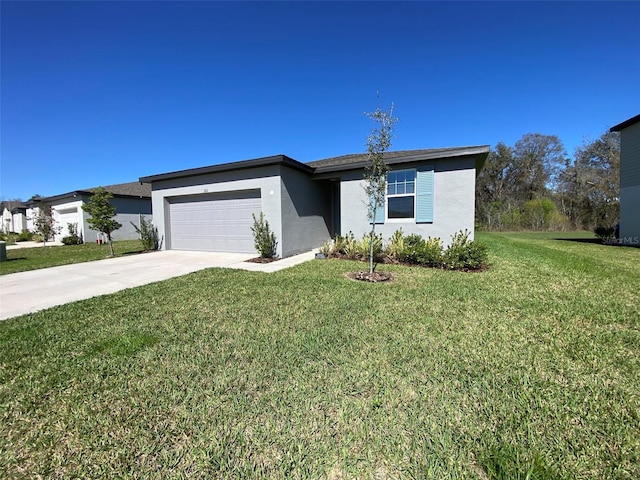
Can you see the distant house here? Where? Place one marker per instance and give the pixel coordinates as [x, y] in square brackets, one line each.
[130, 199]
[430, 192]
[629, 180]
[14, 217]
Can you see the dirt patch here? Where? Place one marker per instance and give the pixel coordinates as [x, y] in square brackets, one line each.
[375, 277]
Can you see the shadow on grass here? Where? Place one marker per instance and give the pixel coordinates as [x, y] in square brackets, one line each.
[581, 240]
[14, 259]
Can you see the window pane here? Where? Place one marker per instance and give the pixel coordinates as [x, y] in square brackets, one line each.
[392, 177]
[391, 189]
[400, 189]
[400, 207]
[410, 187]
[410, 175]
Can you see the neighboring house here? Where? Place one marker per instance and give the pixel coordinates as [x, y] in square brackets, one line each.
[431, 192]
[130, 199]
[13, 216]
[629, 180]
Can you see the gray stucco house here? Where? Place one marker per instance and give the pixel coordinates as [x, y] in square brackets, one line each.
[430, 192]
[629, 180]
[131, 200]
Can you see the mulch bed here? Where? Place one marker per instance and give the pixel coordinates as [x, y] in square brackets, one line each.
[374, 277]
[262, 260]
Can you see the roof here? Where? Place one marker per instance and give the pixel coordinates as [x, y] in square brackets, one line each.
[626, 123]
[12, 205]
[334, 164]
[131, 189]
[360, 160]
[225, 167]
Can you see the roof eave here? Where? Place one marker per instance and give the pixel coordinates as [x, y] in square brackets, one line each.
[225, 167]
[625, 124]
[481, 151]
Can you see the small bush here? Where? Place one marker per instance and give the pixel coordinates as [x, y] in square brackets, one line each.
[263, 238]
[430, 252]
[73, 238]
[24, 236]
[395, 247]
[605, 234]
[148, 235]
[350, 246]
[465, 254]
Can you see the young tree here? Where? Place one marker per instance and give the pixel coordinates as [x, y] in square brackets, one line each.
[378, 143]
[44, 224]
[102, 213]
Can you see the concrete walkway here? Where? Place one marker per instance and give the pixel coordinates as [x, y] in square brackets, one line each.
[28, 292]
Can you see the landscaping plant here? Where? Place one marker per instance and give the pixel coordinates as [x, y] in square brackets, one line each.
[148, 234]
[263, 238]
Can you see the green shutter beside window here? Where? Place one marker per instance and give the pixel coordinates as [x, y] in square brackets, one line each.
[424, 195]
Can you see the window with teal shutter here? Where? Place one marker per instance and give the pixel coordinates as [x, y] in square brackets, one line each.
[424, 195]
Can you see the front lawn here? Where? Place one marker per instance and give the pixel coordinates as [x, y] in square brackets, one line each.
[528, 370]
[33, 258]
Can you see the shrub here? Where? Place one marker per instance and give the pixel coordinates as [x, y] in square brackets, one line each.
[72, 238]
[263, 238]
[349, 246]
[605, 234]
[430, 252]
[465, 254]
[413, 244]
[364, 244]
[148, 235]
[395, 247]
[24, 236]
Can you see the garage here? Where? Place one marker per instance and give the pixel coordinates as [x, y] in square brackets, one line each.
[215, 222]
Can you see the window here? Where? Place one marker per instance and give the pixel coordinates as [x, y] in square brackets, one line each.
[401, 189]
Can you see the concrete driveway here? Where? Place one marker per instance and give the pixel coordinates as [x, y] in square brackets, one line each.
[28, 292]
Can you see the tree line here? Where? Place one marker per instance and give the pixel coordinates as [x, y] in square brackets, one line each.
[535, 185]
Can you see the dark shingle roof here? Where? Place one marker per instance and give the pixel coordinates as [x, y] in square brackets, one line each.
[359, 160]
[131, 189]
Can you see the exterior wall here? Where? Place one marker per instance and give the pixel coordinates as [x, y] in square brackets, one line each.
[266, 179]
[19, 222]
[630, 185]
[65, 213]
[630, 156]
[454, 202]
[306, 212]
[7, 221]
[630, 215]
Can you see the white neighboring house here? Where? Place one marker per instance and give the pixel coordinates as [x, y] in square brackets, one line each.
[132, 200]
[629, 180]
[14, 216]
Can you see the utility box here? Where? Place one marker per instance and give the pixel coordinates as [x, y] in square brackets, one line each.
[3, 251]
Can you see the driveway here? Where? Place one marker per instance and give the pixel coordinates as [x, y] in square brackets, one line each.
[28, 292]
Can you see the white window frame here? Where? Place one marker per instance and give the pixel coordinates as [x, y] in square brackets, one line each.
[387, 196]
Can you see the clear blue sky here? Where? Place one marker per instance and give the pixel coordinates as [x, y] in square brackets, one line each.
[97, 93]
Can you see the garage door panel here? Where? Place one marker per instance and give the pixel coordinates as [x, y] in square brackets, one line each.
[214, 222]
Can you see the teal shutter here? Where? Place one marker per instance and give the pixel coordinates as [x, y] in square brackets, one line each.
[379, 213]
[424, 195]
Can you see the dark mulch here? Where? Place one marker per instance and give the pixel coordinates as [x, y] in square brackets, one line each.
[374, 277]
[263, 260]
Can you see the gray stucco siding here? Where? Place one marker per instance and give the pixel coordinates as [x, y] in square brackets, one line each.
[266, 179]
[453, 210]
[306, 212]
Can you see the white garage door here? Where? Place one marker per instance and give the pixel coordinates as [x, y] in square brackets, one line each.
[214, 222]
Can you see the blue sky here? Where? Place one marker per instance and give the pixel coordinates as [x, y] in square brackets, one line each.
[98, 93]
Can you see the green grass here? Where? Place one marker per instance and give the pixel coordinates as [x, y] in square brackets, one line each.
[23, 259]
[529, 370]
